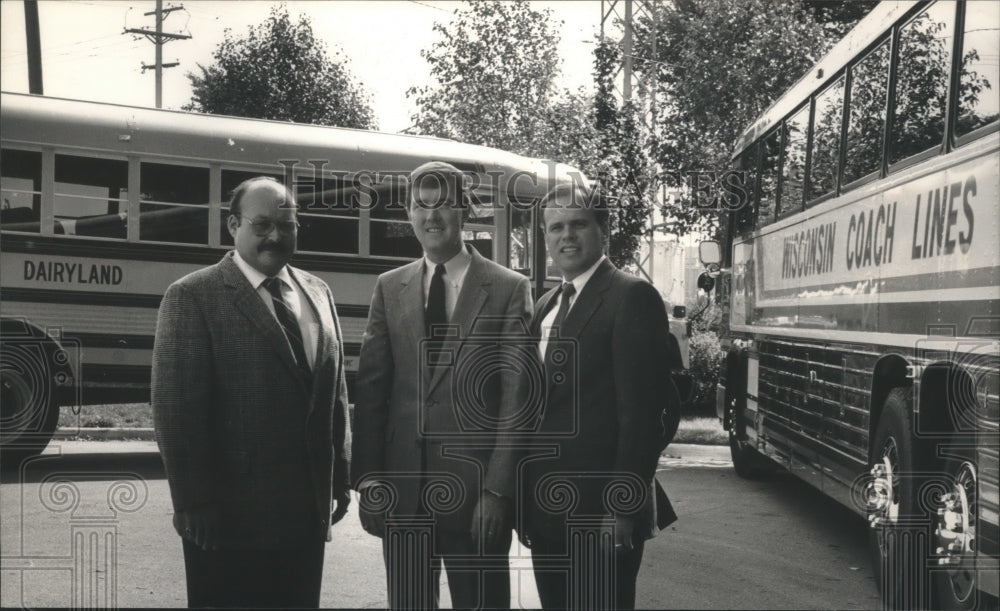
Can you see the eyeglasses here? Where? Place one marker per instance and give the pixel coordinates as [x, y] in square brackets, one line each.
[263, 227]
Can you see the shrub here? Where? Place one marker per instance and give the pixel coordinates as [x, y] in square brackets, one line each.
[706, 357]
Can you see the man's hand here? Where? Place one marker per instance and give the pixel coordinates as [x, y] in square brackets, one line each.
[490, 519]
[199, 525]
[624, 527]
[373, 523]
[343, 501]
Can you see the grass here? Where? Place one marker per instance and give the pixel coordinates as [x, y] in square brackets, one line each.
[705, 431]
[118, 415]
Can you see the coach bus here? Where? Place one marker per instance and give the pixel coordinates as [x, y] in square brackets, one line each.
[104, 206]
[862, 287]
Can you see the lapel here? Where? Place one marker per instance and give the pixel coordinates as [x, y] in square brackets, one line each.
[583, 309]
[411, 302]
[324, 321]
[588, 301]
[472, 297]
[541, 309]
[250, 304]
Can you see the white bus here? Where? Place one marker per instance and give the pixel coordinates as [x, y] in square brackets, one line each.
[862, 282]
[104, 206]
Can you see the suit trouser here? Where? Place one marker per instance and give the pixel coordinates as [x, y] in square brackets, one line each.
[554, 584]
[476, 579]
[283, 578]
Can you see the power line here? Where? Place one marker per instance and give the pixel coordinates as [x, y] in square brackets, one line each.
[159, 38]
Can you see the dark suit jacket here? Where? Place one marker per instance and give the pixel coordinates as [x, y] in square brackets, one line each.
[607, 387]
[236, 425]
[444, 424]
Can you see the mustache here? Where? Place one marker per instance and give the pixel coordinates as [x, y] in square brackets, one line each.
[275, 246]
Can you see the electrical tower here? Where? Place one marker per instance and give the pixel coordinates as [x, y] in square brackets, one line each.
[159, 38]
[638, 85]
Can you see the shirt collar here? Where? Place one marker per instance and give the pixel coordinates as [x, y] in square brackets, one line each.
[255, 276]
[581, 281]
[455, 267]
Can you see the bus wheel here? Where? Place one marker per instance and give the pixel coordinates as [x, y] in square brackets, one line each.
[29, 411]
[747, 461]
[955, 532]
[896, 538]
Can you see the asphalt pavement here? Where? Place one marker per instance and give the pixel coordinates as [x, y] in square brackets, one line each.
[88, 523]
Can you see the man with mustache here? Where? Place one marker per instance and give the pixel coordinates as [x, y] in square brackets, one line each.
[250, 405]
[436, 400]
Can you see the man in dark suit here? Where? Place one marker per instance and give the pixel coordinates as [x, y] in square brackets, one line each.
[437, 398]
[250, 407]
[603, 337]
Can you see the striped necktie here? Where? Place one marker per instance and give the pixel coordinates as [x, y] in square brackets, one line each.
[289, 324]
[568, 290]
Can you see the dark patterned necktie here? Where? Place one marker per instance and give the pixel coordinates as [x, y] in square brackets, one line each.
[435, 313]
[568, 290]
[289, 324]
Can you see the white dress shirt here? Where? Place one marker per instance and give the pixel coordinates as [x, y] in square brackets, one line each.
[292, 293]
[455, 269]
[578, 283]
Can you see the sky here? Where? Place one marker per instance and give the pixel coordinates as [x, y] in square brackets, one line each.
[86, 56]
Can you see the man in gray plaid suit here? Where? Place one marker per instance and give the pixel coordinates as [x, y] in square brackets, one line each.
[250, 407]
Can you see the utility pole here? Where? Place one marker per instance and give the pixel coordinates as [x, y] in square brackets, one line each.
[159, 38]
[34, 40]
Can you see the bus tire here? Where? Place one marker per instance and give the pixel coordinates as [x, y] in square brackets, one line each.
[898, 541]
[29, 411]
[954, 583]
[747, 461]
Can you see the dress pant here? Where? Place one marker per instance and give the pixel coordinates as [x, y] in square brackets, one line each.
[476, 579]
[554, 584]
[278, 578]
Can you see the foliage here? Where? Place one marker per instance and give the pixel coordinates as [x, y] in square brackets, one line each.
[705, 355]
[494, 68]
[280, 71]
[720, 63]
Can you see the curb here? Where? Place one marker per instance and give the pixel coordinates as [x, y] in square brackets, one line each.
[104, 434]
[146, 434]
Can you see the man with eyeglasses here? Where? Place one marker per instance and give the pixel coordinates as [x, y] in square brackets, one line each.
[250, 407]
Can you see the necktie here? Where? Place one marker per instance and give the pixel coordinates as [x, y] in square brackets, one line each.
[289, 324]
[436, 313]
[568, 290]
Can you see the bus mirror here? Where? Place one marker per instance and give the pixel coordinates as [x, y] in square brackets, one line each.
[680, 311]
[710, 252]
[706, 282]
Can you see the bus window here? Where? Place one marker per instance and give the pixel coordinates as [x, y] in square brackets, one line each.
[924, 65]
[91, 196]
[392, 239]
[793, 171]
[21, 188]
[827, 120]
[866, 119]
[768, 183]
[328, 214]
[519, 245]
[230, 180]
[745, 206]
[481, 240]
[173, 203]
[977, 93]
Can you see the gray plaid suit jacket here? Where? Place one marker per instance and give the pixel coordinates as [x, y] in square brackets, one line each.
[235, 424]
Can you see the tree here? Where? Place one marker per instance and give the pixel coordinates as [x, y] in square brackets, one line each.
[280, 71]
[494, 69]
[719, 64]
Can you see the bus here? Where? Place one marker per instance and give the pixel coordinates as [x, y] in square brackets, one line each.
[104, 206]
[861, 283]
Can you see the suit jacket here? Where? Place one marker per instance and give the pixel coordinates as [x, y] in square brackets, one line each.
[606, 389]
[445, 425]
[236, 424]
